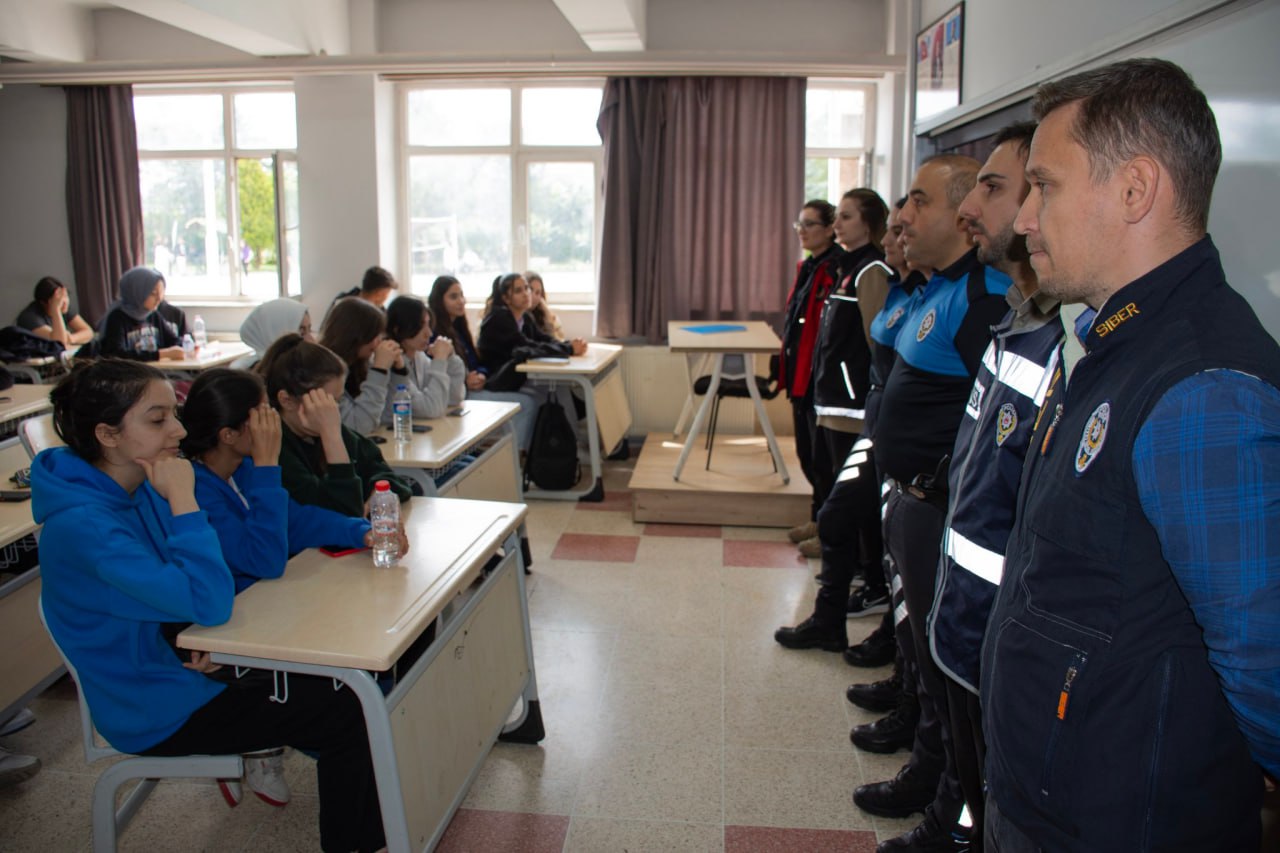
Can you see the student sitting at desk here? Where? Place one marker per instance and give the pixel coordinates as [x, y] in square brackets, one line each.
[49, 315]
[435, 376]
[269, 321]
[322, 462]
[133, 327]
[543, 317]
[154, 558]
[506, 332]
[448, 307]
[354, 331]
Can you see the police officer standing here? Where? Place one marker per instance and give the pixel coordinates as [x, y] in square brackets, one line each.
[1131, 669]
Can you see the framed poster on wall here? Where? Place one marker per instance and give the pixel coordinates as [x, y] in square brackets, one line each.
[939, 63]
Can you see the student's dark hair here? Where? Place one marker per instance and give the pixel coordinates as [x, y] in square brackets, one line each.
[826, 210]
[351, 324]
[97, 392]
[963, 177]
[457, 328]
[1144, 106]
[541, 314]
[220, 397]
[501, 287]
[376, 279]
[1019, 133]
[296, 366]
[46, 287]
[406, 317]
[873, 210]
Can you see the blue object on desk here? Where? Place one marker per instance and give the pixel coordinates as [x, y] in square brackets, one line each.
[715, 328]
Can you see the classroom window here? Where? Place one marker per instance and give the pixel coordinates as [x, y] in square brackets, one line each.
[838, 126]
[502, 177]
[219, 180]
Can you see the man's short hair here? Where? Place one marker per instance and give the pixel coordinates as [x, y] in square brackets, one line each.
[1019, 133]
[1144, 106]
[963, 177]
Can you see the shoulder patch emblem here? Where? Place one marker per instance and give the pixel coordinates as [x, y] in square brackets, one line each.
[926, 325]
[894, 318]
[1095, 433]
[1006, 423]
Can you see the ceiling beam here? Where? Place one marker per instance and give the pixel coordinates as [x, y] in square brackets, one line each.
[261, 28]
[607, 25]
[53, 31]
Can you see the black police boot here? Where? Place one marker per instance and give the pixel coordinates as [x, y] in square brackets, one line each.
[891, 733]
[929, 837]
[901, 796]
[878, 649]
[811, 635]
[882, 695]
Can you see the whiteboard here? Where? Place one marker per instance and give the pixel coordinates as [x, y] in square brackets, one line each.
[1236, 61]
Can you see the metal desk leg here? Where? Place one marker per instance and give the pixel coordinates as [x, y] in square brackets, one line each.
[764, 420]
[594, 489]
[687, 408]
[701, 418]
[527, 728]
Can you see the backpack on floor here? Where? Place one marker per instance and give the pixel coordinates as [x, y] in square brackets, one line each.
[552, 462]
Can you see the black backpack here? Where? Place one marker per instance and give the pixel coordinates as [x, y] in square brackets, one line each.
[552, 463]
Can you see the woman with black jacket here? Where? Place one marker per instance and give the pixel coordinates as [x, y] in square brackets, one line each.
[508, 334]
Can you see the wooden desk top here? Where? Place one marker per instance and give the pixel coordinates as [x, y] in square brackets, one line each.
[758, 337]
[15, 516]
[450, 436]
[22, 401]
[595, 359]
[216, 354]
[343, 612]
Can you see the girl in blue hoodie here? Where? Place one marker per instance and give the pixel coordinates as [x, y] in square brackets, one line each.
[154, 558]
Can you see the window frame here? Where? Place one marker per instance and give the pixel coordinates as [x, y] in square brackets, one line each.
[229, 154]
[865, 152]
[519, 157]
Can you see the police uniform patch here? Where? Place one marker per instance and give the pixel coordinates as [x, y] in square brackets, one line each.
[1006, 423]
[1095, 433]
[926, 325]
[894, 318]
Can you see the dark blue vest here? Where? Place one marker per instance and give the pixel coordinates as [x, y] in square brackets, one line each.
[1107, 728]
[986, 467]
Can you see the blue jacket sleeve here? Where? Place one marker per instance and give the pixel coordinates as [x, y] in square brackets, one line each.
[1207, 467]
[254, 543]
[192, 585]
[313, 526]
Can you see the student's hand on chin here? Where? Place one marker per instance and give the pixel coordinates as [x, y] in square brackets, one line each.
[171, 476]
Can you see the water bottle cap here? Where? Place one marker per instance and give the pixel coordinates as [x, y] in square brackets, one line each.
[402, 388]
[382, 486]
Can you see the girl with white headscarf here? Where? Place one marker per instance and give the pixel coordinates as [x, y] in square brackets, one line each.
[266, 323]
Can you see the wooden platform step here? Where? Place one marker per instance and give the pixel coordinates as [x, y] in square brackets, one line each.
[740, 489]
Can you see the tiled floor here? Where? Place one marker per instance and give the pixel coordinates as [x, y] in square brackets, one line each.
[674, 721]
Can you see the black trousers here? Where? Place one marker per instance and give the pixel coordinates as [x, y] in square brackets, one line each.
[969, 748]
[913, 537]
[315, 719]
[830, 450]
[850, 534]
[805, 423]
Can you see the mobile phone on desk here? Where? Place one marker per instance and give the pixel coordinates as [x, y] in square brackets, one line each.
[457, 413]
[339, 550]
[421, 428]
[15, 494]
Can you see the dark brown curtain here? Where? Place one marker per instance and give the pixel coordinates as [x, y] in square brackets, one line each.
[703, 176]
[104, 203]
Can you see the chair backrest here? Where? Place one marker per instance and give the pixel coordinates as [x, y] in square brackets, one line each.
[38, 434]
[92, 749]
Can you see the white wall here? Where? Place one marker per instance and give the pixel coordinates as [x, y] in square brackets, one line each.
[34, 239]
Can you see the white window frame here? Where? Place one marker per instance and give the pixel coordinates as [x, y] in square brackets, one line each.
[867, 150]
[229, 154]
[520, 156]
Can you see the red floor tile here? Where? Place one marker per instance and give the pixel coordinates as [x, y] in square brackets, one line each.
[615, 500]
[769, 839]
[763, 555]
[697, 531]
[477, 831]
[590, 546]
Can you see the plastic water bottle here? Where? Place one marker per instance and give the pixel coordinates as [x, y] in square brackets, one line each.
[199, 332]
[384, 514]
[402, 414]
[188, 348]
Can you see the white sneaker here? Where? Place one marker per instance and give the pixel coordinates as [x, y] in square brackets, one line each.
[264, 773]
[17, 722]
[16, 767]
[232, 791]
